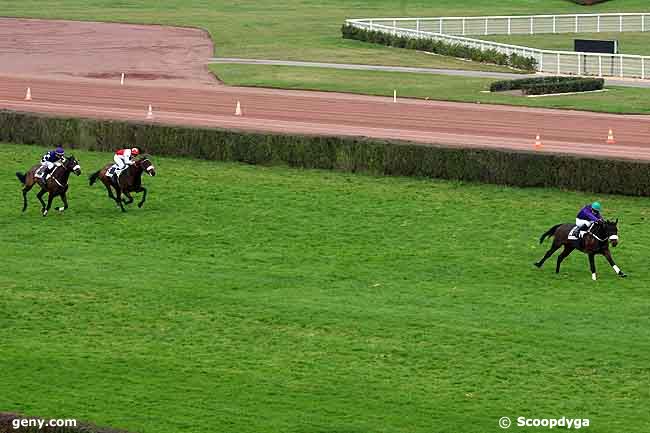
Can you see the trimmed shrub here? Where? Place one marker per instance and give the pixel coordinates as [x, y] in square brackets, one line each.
[546, 85]
[588, 2]
[439, 47]
[373, 156]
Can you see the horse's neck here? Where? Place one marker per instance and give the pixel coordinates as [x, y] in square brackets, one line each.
[66, 175]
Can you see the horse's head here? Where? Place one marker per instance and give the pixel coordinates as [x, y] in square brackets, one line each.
[611, 231]
[71, 164]
[147, 166]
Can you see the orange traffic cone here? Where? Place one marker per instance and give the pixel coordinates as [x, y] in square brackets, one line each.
[238, 109]
[538, 142]
[28, 95]
[610, 137]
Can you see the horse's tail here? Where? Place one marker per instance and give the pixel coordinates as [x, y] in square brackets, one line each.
[550, 232]
[21, 177]
[93, 177]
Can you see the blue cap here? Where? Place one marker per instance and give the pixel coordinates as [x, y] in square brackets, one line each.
[59, 151]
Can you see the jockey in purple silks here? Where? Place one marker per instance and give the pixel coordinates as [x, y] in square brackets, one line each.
[586, 217]
[48, 161]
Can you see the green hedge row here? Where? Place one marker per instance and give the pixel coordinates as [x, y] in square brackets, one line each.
[588, 2]
[440, 47]
[373, 156]
[546, 85]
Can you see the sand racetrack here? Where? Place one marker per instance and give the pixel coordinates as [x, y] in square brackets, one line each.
[72, 69]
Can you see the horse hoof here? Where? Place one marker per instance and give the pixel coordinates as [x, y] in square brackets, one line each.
[539, 265]
[140, 205]
[60, 209]
[622, 274]
[44, 213]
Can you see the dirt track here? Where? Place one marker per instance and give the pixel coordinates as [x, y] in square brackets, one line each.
[194, 101]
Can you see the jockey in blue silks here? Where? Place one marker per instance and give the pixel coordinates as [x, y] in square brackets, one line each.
[48, 161]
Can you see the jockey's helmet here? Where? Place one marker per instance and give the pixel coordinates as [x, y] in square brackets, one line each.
[59, 151]
[135, 151]
[596, 206]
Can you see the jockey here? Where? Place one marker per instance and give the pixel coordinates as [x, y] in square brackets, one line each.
[123, 159]
[587, 216]
[48, 161]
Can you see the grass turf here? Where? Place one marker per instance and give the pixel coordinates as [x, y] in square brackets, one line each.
[249, 299]
[439, 87]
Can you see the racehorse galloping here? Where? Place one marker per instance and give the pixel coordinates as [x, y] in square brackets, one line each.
[595, 241]
[55, 185]
[130, 180]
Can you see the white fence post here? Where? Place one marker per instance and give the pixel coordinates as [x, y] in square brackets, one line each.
[370, 24]
[600, 66]
[579, 65]
[531, 25]
[621, 58]
[509, 25]
[620, 23]
[541, 62]
[486, 25]
[440, 26]
[576, 24]
[554, 26]
[417, 25]
[558, 63]
[463, 26]
[598, 25]
[643, 23]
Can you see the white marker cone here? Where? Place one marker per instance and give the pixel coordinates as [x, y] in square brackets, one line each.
[28, 95]
[122, 79]
[238, 109]
[150, 112]
[395, 95]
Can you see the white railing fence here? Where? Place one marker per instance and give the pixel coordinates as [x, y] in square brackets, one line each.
[456, 30]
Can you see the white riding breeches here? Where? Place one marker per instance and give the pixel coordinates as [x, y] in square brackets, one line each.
[119, 161]
[580, 222]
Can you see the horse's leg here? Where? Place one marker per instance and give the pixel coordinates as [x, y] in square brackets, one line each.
[128, 195]
[554, 247]
[563, 255]
[144, 196]
[592, 266]
[118, 199]
[26, 189]
[50, 197]
[610, 260]
[64, 199]
[40, 195]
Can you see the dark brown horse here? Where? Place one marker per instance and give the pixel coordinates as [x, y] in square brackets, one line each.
[595, 241]
[55, 185]
[130, 180]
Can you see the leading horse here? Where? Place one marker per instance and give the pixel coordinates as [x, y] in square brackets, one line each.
[595, 241]
[56, 184]
[130, 180]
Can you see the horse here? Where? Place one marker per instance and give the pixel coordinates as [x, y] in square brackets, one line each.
[55, 185]
[595, 241]
[130, 180]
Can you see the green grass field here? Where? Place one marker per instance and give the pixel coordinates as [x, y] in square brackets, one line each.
[266, 299]
[439, 87]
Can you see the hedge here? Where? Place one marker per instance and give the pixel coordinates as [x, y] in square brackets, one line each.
[525, 169]
[440, 47]
[588, 2]
[546, 85]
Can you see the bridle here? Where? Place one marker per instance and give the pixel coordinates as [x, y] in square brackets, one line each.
[610, 238]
